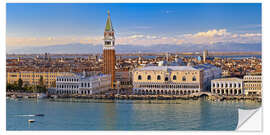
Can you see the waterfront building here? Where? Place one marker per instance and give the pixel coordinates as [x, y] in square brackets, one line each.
[33, 78]
[227, 86]
[209, 72]
[109, 50]
[253, 84]
[82, 84]
[124, 77]
[173, 80]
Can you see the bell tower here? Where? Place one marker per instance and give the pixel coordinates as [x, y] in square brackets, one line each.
[109, 50]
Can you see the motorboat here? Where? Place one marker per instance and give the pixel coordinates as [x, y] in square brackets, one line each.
[31, 120]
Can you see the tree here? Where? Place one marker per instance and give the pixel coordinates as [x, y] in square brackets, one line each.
[41, 87]
[41, 81]
[20, 83]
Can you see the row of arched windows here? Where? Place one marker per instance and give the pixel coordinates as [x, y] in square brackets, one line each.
[67, 79]
[85, 84]
[166, 78]
[67, 86]
[226, 85]
[168, 86]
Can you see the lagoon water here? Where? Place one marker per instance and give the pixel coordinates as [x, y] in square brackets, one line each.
[72, 114]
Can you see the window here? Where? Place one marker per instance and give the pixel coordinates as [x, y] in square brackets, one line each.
[158, 77]
[174, 77]
[149, 77]
[166, 78]
[139, 77]
[184, 78]
[107, 42]
[193, 78]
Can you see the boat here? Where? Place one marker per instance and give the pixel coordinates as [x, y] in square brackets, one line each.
[41, 95]
[41, 115]
[31, 120]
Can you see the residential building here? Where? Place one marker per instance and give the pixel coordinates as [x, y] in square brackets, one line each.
[253, 84]
[33, 78]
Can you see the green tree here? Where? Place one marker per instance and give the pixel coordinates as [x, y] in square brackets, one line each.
[20, 84]
[41, 88]
[41, 81]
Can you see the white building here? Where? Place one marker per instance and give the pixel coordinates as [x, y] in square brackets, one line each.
[174, 80]
[227, 86]
[253, 84]
[82, 84]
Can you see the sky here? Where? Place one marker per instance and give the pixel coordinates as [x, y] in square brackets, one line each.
[135, 24]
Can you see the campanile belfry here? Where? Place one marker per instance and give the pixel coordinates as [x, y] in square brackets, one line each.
[108, 49]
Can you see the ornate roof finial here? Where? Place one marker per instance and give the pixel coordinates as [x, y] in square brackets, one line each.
[108, 12]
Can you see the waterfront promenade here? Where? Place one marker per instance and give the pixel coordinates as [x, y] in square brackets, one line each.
[195, 96]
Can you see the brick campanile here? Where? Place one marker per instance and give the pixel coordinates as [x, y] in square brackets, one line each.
[108, 50]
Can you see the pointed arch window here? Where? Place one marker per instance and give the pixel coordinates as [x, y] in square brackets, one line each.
[194, 78]
[174, 77]
[149, 77]
[184, 78]
[158, 77]
[139, 77]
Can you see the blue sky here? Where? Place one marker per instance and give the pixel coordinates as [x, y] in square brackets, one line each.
[144, 24]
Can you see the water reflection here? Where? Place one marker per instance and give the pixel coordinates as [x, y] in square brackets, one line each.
[109, 116]
[69, 114]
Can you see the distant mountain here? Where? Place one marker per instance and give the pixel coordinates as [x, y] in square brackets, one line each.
[88, 48]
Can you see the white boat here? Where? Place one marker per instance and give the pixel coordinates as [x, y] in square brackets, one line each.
[41, 95]
[31, 120]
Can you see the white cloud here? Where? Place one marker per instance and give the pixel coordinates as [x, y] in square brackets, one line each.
[39, 41]
[212, 33]
[205, 37]
[251, 35]
[136, 36]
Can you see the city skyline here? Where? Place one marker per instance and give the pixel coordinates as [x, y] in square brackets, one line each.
[150, 59]
[141, 25]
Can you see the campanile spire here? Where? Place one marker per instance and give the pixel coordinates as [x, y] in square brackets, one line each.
[108, 26]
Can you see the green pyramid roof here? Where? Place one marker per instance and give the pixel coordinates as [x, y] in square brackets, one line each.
[109, 23]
